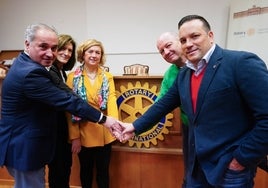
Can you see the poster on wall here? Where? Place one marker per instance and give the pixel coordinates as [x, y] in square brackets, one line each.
[248, 27]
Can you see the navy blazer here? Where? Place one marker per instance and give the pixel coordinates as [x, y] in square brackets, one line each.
[29, 103]
[231, 118]
[62, 123]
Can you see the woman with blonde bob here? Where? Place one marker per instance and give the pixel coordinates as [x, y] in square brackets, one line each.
[91, 141]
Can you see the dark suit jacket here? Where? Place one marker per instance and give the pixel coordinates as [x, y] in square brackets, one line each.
[29, 103]
[63, 148]
[57, 78]
[62, 124]
[231, 118]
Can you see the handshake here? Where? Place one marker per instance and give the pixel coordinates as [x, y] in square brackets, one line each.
[122, 131]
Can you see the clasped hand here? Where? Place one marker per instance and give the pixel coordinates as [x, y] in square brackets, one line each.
[122, 131]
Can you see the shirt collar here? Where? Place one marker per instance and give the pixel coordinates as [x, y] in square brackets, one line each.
[203, 62]
[26, 53]
[48, 68]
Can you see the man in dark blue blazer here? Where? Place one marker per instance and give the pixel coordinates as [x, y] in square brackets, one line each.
[224, 94]
[29, 103]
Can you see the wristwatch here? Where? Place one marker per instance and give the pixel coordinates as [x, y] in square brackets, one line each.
[103, 119]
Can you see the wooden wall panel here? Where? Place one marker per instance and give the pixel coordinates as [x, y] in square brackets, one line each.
[9, 54]
[140, 170]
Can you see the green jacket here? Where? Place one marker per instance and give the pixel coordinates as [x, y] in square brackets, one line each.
[169, 78]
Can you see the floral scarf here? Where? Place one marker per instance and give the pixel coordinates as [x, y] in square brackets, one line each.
[80, 89]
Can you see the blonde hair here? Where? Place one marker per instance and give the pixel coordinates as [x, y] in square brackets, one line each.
[88, 44]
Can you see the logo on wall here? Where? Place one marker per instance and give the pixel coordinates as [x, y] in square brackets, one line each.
[134, 101]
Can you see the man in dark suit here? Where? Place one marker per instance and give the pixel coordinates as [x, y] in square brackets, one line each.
[29, 103]
[224, 94]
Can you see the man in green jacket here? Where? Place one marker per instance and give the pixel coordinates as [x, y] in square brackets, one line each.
[169, 47]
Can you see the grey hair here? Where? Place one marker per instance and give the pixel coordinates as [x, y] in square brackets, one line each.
[31, 30]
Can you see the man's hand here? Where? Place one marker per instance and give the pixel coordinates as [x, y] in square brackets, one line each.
[111, 124]
[127, 131]
[235, 165]
[122, 131]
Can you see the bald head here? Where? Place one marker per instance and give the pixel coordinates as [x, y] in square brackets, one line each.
[167, 36]
[169, 47]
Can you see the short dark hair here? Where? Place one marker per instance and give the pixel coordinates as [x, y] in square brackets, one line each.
[194, 17]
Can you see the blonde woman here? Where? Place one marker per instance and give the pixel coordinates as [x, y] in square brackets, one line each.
[91, 141]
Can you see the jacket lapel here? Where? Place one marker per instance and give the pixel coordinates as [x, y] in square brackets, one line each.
[185, 91]
[211, 69]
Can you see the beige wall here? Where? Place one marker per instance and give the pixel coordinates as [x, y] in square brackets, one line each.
[128, 29]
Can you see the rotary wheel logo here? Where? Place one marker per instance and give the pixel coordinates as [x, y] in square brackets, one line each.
[134, 101]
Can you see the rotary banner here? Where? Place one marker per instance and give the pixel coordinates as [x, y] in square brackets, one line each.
[248, 27]
[133, 101]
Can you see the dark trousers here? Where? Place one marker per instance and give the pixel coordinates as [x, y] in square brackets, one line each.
[231, 179]
[28, 179]
[185, 131]
[100, 157]
[60, 167]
